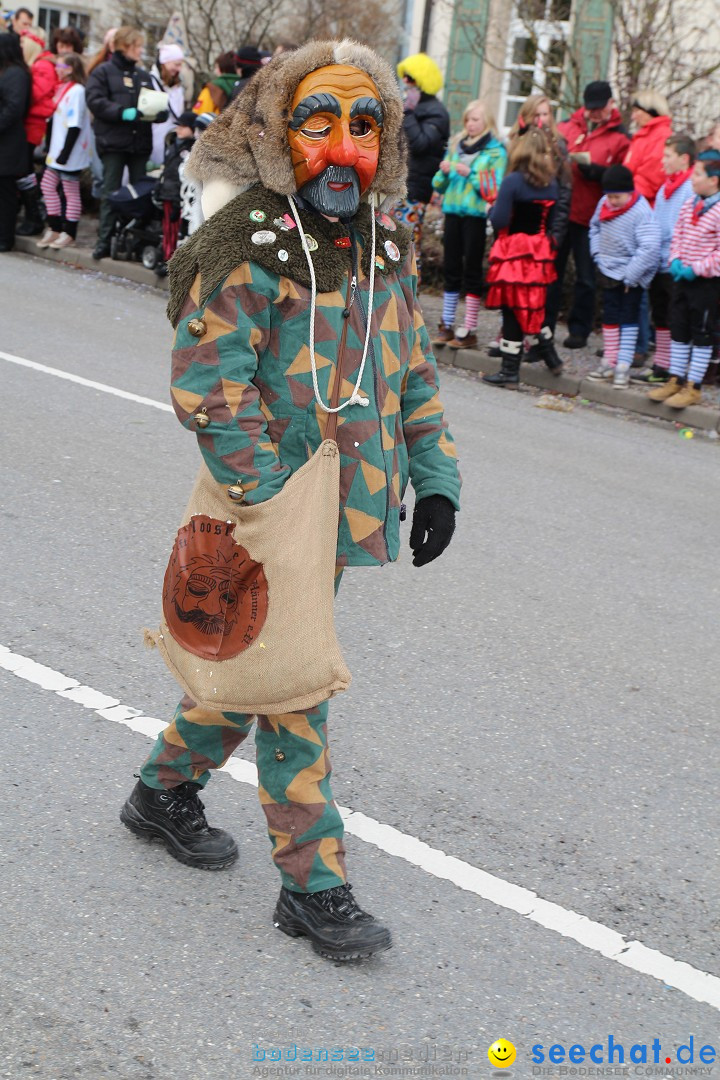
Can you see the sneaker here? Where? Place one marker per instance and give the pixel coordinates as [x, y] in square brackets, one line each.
[621, 378]
[176, 817]
[688, 394]
[605, 371]
[337, 928]
[444, 334]
[464, 339]
[62, 241]
[47, 238]
[101, 250]
[574, 341]
[653, 376]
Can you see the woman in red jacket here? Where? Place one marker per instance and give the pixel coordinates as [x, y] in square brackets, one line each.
[42, 105]
[651, 117]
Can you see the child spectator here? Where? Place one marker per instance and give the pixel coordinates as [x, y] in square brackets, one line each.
[522, 259]
[695, 269]
[678, 160]
[69, 151]
[179, 146]
[215, 94]
[625, 244]
[468, 180]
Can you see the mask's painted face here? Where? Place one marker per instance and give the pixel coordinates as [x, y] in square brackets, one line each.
[334, 136]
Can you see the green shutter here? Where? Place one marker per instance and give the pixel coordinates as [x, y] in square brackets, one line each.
[465, 59]
[590, 47]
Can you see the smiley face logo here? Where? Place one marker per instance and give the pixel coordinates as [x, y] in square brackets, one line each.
[501, 1054]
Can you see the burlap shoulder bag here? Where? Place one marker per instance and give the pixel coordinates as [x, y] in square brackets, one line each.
[248, 595]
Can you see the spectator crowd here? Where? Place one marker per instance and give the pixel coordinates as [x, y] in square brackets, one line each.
[637, 212]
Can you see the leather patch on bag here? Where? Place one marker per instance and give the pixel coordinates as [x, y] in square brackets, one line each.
[215, 596]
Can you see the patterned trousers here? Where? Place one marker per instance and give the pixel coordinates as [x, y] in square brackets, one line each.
[304, 824]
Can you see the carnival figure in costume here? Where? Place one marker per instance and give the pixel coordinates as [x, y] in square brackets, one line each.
[294, 302]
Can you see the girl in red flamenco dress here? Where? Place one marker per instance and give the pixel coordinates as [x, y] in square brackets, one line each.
[522, 258]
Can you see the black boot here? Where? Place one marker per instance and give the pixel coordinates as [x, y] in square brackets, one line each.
[508, 375]
[176, 817]
[338, 929]
[548, 352]
[34, 221]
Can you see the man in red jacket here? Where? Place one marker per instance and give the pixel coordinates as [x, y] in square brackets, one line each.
[595, 139]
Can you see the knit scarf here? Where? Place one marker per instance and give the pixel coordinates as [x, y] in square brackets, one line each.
[675, 181]
[609, 212]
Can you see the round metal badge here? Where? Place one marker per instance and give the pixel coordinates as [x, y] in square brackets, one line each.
[283, 255]
[257, 215]
[311, 242]
[387, 222]
[264, 236]
[392, 250]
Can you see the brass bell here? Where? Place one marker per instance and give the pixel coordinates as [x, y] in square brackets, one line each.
[279, 755]
[236, 492]
[201, 419]
[197, 327]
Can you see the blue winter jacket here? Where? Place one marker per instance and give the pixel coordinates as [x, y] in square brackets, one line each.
[666, 213]
[627, 247]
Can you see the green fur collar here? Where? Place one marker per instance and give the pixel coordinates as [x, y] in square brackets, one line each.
[225, 241]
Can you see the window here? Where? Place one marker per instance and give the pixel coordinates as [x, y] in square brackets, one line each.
[53, 18]
[536, 54]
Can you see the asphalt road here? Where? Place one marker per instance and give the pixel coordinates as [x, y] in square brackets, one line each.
[540, 703]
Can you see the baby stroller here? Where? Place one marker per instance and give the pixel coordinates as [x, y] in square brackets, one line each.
[137, 233]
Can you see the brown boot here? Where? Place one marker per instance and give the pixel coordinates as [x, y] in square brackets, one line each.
[666, 390]
[686, 395]
[464, 339]
[444, 334]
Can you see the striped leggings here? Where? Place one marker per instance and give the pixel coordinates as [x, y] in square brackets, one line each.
[50, 185]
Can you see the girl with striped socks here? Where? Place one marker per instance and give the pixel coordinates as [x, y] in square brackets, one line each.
[68, 154]
[695, 270]
[625, 246]
[468, 179]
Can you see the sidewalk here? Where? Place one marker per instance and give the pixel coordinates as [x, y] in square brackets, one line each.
[573, 382]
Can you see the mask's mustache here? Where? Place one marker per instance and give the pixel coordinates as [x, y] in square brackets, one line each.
[202, 621]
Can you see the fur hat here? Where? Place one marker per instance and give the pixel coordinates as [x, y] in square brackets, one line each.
[247, 144]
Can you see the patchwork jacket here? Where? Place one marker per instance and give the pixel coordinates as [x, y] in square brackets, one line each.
[245, 275]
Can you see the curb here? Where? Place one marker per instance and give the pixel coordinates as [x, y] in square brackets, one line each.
[82, 259]
[697, 416]
[536, 375]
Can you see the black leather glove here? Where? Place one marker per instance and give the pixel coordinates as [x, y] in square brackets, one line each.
[434, 516]
[161, 117]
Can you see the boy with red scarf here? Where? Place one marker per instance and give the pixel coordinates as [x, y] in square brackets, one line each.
[625, 245]
[695, 270]
[678, 160]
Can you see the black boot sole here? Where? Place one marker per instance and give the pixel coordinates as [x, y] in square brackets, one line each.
[150, 830]
[296, 930]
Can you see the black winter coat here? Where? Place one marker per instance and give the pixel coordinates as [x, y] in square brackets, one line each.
[427, 129]
[15, 90]
[112, 87]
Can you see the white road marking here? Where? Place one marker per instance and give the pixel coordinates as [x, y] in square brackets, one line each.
[85, 382]
[698, 985]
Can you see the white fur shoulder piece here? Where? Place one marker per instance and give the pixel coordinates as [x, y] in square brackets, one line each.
[216, 194]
